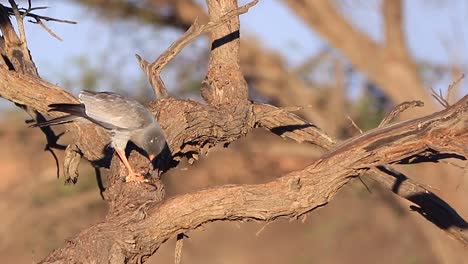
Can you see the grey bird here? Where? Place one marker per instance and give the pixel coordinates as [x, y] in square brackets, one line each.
[125, 118]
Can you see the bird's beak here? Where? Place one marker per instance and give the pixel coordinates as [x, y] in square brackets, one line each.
[151, 157]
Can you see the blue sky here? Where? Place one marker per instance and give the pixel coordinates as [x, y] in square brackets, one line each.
[429, 27]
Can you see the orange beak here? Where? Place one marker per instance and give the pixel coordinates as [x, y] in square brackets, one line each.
[151, 157]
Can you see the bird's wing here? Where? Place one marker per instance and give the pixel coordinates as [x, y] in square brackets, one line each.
[115, 111]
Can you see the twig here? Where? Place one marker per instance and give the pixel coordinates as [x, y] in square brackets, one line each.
[354, 124]
[440, 97]
[154, 69]
[178, 248]
[262, 228]
[30, 8]
[38, 21]
[398, 110]
[35, 16]
[452, 87]
[21, 13]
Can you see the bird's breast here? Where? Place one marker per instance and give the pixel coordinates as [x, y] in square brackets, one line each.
[120, 138]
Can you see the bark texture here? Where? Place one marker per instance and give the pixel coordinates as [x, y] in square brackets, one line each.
[140, 219]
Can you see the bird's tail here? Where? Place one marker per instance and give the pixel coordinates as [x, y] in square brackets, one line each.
[56, 121]
[72, 109]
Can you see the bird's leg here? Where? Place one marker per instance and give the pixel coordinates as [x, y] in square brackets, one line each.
[131, 175]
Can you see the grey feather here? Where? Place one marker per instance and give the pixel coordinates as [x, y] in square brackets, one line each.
[124, 117]
[116, 110]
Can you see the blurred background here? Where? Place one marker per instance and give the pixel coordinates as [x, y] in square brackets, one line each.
[347, 59]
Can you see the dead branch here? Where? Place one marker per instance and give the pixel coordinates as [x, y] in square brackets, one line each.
[358, 129]
[440, 98]
[453, 86]
[288, 125]
[178, 249]
[445, 101]
[153, 70]
[19, 20]
[399, 109]
[46, 28]
[21, 13]
[27, 12]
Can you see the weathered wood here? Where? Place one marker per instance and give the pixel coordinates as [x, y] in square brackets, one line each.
[289, 196]
[140, 220]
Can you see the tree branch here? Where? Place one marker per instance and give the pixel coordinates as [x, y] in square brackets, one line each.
[287, 197]
[399, 109]
[224, 83]
[395, 40]
[153, 70]
[288, 125]
[264, 70]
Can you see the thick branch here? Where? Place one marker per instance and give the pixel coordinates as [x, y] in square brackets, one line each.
[290, 196]
[31, 91]
[395, 41]
[288, 125]
[153, 70]
[224, 83]
[15, 53]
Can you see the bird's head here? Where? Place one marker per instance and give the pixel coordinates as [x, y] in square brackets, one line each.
[154, 147]
[154, 142]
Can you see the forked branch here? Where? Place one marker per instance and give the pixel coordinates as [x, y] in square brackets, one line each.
[153, 70]
[287, 197]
